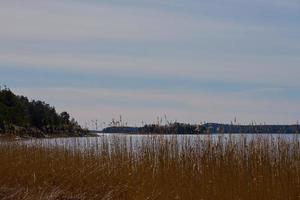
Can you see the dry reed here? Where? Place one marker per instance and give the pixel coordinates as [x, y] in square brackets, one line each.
[156, 168]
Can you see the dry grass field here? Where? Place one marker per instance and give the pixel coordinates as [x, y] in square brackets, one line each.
[205, 169]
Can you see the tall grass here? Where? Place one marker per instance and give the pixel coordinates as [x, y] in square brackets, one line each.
[155, 168]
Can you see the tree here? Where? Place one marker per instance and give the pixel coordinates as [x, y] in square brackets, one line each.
[65, 117]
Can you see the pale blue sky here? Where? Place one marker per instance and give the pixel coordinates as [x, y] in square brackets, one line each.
[192, 60]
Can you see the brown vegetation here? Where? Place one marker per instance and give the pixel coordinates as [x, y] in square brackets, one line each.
[233, 168]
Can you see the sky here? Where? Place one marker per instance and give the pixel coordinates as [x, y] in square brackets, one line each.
[193, 61]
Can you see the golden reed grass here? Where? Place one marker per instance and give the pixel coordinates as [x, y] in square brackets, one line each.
[201, 169]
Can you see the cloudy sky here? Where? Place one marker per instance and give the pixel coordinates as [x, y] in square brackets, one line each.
[193, 60]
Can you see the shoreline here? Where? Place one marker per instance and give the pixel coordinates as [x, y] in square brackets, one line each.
[14, 137]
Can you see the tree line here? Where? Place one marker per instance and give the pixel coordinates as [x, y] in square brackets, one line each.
[18, 114]
[171, 128]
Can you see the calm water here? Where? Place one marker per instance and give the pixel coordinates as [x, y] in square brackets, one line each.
[135, 141]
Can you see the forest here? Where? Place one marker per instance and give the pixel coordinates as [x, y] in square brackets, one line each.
[20, 116]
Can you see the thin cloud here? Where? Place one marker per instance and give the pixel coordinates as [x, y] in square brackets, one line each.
[83, 21]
